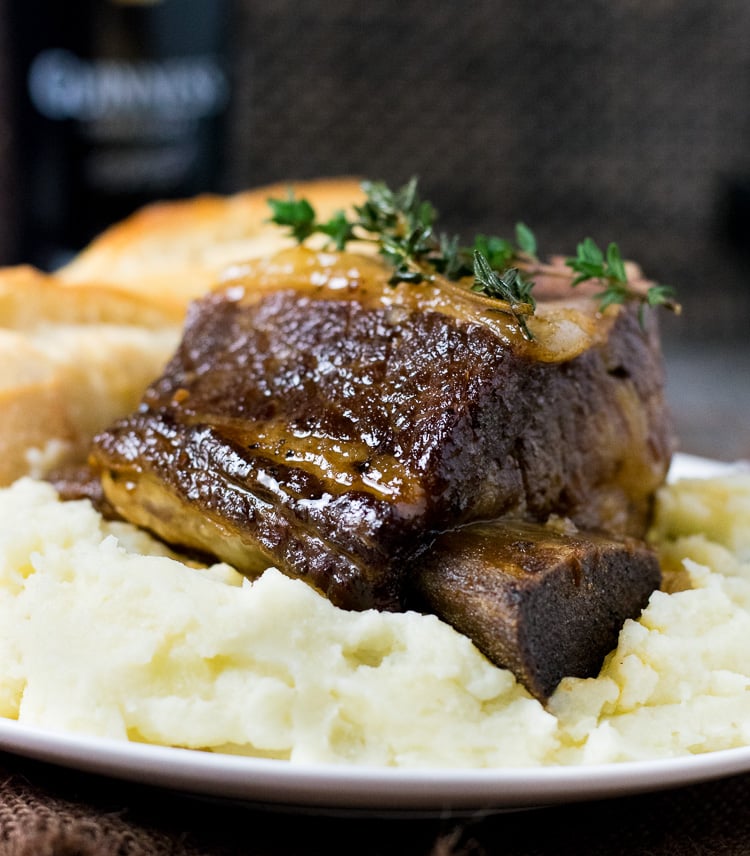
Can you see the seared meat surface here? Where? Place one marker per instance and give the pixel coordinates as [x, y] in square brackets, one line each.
[320, 420]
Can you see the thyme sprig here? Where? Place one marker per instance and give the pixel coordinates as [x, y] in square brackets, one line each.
[510, 287]
[402, 225]
[590, 262]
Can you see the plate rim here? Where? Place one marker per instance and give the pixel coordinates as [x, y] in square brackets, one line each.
[339, 786]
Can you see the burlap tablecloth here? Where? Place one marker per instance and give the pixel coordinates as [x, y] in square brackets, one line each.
[50, 811]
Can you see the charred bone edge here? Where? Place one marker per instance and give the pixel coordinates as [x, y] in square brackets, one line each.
[541, 603]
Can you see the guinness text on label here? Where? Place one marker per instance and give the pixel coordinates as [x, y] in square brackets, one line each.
[63, 86]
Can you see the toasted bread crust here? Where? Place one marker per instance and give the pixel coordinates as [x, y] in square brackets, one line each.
[169, 253]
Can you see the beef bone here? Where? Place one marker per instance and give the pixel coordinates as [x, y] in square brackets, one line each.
[540, 601]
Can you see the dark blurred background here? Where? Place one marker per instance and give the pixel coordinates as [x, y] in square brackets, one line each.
[626, 120]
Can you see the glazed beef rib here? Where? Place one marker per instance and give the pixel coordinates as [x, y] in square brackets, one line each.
[318, 419]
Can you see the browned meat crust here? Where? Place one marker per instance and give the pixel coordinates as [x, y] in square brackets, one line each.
[333, 430]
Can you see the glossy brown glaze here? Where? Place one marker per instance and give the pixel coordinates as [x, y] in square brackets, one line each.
[319, 419]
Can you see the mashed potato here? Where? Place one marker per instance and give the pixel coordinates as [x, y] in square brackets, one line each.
[101, 637]
[104, 632]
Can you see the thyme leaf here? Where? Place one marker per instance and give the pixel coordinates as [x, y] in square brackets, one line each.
[526, 240]
[499, 252]
[297, 214]
[609, 268]
[338, 229]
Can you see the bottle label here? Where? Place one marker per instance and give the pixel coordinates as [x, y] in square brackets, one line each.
[137, 121]
[64, 86]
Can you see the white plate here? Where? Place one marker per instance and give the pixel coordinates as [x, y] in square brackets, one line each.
[336, 787]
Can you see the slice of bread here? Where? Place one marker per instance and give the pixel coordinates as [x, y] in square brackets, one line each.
[71, 361]
[65, 382]
[78, 348]
[33, 414]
